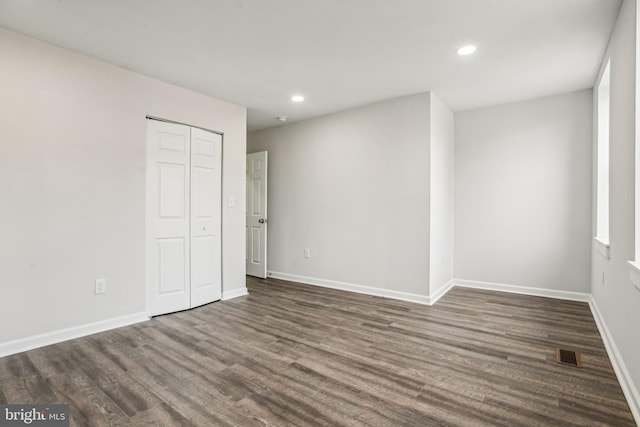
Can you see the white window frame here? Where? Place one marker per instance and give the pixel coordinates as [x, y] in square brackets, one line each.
[603, 103]
[634, 272]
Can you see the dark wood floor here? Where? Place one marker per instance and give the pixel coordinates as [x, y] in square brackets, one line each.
[291, 354]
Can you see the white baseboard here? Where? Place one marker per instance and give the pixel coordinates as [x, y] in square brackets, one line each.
[435, 296]
[234, 293]
[54, 337]
[628, 388]
[351, 287]
[525, 290]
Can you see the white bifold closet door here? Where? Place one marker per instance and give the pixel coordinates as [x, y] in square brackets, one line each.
[183, 210]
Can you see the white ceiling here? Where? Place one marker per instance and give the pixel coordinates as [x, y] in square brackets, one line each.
[337, 53]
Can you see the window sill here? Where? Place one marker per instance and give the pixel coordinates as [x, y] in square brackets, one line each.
[634, 273]
[602, 247]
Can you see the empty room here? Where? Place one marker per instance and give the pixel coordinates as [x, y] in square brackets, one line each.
[320, 213]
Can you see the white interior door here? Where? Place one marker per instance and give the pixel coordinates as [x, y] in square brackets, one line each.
[256, 220]
[168, 158]
[183, 203]
[206, 251]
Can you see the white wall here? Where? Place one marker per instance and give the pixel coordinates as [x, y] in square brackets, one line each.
[353, 187]
[441, 194]
[617, 299]
[72, 168]
[523, 193]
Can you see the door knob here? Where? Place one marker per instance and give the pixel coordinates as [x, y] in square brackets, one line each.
[262, 221]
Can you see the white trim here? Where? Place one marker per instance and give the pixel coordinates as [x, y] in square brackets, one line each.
[525, 290]
[435, 296]
[234, 293]
[626, 383]
[634, 273]
[54, 337]
[603, 247]
[637, 146]
[602, 122]
[351, 287]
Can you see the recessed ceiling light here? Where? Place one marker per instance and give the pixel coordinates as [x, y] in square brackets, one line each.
[282, 118]
[297, 98]
[466, 50]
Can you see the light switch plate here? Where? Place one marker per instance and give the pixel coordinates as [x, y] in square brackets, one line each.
[100, 286]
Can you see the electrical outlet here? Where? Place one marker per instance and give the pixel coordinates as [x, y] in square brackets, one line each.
[307, 253]
[100, 286]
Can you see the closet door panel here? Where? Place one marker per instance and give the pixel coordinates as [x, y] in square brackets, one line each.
[206, 206]
[168, 217]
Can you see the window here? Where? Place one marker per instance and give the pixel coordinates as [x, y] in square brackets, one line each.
[602, 143]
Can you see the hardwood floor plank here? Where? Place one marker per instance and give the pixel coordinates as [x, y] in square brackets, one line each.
[51, 360]
[88, 404]
[161, 416]
[19, 366]
[31, 389]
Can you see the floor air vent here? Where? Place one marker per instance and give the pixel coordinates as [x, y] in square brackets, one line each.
[568, 357]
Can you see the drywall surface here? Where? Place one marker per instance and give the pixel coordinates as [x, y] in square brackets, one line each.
[523, 193]
[441, 142]
[72, 179]
[616, 297]
[353, 187]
